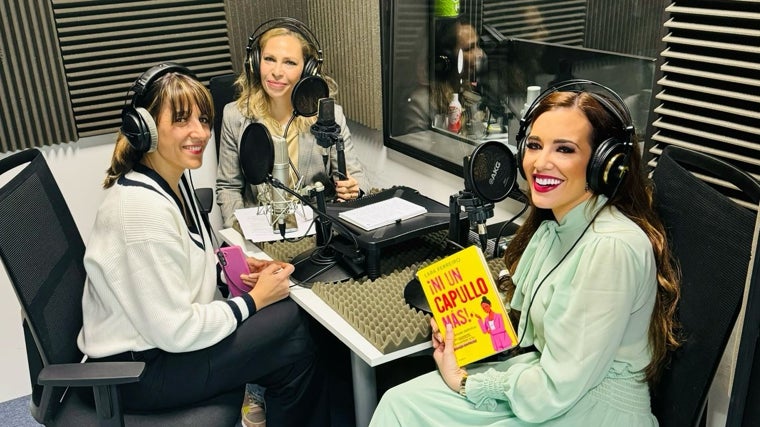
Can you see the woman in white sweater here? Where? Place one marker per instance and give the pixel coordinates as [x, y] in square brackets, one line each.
[152, 293]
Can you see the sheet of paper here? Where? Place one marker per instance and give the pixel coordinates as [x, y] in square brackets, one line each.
[382, 213]
[254, 222]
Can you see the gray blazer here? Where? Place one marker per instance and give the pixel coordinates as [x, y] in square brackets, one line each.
[231, 191]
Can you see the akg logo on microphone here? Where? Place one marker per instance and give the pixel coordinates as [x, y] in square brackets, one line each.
[496, 167]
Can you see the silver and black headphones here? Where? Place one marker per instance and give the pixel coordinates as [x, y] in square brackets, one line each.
[609, 161]
[312, 65]
[136, 122]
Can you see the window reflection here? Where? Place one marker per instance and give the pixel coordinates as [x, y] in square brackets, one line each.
[457, 63]
[504, 48]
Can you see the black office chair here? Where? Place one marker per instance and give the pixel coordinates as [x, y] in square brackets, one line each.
[223, 91]
[42, 251]
[711, 237]
[743, 409]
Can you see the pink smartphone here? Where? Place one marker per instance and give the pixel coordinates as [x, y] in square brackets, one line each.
[233, 262]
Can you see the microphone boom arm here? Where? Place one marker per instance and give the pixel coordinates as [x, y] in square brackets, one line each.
[339, 145]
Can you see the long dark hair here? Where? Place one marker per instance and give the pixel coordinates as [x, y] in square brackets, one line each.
[634, 200]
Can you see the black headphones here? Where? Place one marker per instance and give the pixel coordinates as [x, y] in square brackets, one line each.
[313, 64]
[609, 162]
[136, 122]
[445, 41]
[443, 65]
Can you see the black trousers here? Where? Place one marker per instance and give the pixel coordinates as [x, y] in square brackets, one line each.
[272, 348]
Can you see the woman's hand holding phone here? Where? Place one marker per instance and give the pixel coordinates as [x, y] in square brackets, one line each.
[255, 267]
[271, 280]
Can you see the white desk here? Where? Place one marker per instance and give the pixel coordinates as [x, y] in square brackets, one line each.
[364, 355]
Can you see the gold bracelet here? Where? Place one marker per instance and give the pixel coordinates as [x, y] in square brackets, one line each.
[462, 384]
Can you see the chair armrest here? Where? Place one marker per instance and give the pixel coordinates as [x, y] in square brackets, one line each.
[91, 374]
[103, 377]
[205, 199]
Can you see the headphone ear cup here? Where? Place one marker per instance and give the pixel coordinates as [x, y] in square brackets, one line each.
[310, 68]
[255, 63]
[608, 166]
[522, 133]
[140, 129]
[442, 65]
[519, 157]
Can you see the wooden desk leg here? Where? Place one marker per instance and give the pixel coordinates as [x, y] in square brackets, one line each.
[365, 390]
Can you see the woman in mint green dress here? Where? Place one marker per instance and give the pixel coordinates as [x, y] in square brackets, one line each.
[593, 281]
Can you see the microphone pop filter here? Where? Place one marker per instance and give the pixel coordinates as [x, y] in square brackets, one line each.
[306, 95]
[256, 153]
[491, 171]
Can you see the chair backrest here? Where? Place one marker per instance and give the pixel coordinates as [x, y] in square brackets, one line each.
[711, 237]
[223, 91]
[745, 390]
[42, 251]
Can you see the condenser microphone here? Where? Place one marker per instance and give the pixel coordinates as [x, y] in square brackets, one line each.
[327, 133]
[325, 130]
[257, 162]
[281, 206]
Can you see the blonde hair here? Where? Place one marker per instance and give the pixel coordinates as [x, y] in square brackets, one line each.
[181, 92]
[253, 101]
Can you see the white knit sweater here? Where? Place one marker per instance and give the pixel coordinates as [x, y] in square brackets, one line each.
[151, 278]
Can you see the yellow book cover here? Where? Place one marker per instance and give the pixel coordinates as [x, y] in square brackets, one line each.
[460, 290]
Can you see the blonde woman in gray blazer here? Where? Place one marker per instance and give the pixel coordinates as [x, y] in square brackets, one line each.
[265, 97]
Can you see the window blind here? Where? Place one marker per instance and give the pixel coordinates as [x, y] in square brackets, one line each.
[708, 97]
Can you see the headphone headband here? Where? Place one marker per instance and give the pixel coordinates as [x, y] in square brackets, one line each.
[146, 79]
[621, 113]
[285, 22]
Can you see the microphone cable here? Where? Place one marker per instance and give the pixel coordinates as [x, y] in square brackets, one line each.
[285, 137]
[503, 227]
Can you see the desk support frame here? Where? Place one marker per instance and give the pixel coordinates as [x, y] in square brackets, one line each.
[365, 390]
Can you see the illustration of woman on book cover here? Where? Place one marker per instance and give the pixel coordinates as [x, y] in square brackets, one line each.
[493, 324]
